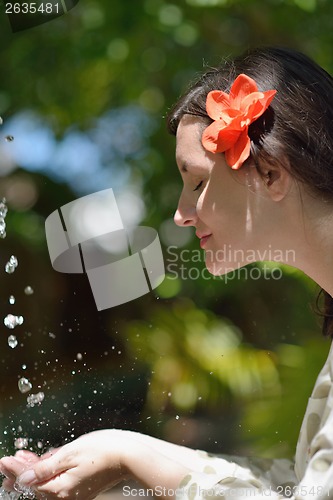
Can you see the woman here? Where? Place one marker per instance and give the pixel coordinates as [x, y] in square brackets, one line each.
[255, 151]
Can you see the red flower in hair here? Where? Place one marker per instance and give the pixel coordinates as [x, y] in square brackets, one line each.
[232, 114]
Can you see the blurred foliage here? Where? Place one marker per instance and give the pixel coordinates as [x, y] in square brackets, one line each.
[185, 346]
[238, 376]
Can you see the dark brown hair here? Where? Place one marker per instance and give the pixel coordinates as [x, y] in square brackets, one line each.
[298, 124]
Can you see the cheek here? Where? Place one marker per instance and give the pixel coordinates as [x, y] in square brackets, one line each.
[207, 204]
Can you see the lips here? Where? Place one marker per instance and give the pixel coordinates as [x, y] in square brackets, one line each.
[203, 238]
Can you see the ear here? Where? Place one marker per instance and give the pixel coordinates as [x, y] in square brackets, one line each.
[277, 179]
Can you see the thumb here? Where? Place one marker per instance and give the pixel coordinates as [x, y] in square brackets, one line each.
[43, 470]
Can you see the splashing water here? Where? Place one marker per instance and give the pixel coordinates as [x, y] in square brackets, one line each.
[24, 385]
[11, 265]
[24, 490]
[3, 213]
[3, 208]
[12, 321]
[35, 399]
[6, 495]
[2, 228]
[12, 341]
[21, 443]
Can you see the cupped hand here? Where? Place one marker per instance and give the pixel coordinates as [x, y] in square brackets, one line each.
[12, 467]
[80, 469]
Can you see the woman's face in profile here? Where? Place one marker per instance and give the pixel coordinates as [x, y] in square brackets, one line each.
[224, 206]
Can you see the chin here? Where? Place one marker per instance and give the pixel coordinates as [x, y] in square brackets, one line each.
[221, 268]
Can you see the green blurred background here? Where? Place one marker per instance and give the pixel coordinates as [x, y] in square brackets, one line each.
[223, 366]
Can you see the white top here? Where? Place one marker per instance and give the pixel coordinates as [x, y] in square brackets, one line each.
[310, 476]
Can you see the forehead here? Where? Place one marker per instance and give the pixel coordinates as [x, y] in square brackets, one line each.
[188, 138]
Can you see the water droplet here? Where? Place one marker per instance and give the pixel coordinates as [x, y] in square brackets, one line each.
[52, 335]
[13, 260]
[9, 138]
[24, 385]
[11, 299]
[22, 489]
[1, 120]
[35, 399]
[21, 443]
[3, 208]
[12, 341]
[2, 227]
[24, 367]
[28, 290]
[79, 356]
[11, 265]
[11, 321]
[177, 417]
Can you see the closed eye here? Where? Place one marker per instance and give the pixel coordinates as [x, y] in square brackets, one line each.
[198, 186]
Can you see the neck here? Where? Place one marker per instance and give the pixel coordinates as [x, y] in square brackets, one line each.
[308, 241]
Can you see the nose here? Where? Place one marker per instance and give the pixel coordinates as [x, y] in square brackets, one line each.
[186, 213]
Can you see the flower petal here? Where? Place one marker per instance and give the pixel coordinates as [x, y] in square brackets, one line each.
[250, 100]
[242, 86]
[227, 138]
[230, 115]
[216, 102]
[258, 108]
[210, 135]
[217, 138]
[237, 154]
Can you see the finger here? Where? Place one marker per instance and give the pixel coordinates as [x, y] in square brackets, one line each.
[27, 455]
[11, 466]
[8, 484]
[51, 452]
[45, 469]
[6, 472]
[18, 457]
[53, 486]
[64, 486]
